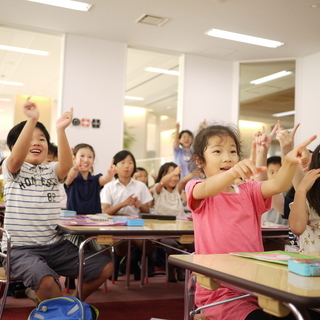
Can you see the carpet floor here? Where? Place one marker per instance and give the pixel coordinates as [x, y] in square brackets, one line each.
[154, 300]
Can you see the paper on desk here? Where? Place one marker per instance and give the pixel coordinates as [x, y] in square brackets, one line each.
[93, 223]
[278, 256]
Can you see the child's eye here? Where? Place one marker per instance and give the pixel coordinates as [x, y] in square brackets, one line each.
[216, 151]
[233, 151]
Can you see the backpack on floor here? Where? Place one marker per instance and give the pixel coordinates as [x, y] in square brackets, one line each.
[64, 308]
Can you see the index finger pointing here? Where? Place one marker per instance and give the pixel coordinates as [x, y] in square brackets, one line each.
[308, 141]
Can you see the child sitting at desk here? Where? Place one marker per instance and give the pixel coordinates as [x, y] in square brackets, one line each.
[227, 217]
[167, 201]
[304, 217]
[126, 196]
[39, 252]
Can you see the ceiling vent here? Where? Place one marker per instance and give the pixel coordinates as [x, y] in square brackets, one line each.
[152, 20]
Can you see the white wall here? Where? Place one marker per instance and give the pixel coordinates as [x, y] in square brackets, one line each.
[94, 78]
[308, 98]
[206, 91]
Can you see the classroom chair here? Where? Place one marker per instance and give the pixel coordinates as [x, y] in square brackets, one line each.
[5, 279]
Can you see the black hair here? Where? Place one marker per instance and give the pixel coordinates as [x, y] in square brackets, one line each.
[14, 133]
[313, 193]
[200, 143]
[82, 146]
[274, 160]
[143, 169]
[121, 155]
[1, 161]
[53, 149]
[164, 170]
[186, 131]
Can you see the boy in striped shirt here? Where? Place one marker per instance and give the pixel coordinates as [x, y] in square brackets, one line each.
[39, 252]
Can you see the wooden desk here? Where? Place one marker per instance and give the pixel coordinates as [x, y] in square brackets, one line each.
[152, 229]
[275, 287]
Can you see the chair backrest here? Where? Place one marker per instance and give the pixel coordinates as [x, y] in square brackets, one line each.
[4, 270]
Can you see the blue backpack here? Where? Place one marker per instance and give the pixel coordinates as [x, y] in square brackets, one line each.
[64, 308]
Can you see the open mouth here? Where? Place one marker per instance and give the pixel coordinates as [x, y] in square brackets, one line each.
[225, 168]
[35, 151]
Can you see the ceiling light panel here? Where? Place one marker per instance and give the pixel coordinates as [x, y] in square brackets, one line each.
[243, 38]
[67, 4]
[165, 71]
[284, 114]
[271, 77]
[23, 50]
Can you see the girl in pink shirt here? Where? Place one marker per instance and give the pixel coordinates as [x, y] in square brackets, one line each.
[226, 216]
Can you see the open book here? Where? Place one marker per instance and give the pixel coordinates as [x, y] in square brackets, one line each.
[277, 256]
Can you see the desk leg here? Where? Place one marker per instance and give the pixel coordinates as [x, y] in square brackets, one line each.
[299, 313]
[189, 290]
[128, 265]
[81, 264]
[143, 263]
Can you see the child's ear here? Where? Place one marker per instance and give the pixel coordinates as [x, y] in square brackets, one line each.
[198, 163]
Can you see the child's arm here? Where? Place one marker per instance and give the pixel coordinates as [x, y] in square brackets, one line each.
[107, 208]
[112, 170]
[298, 218]
[176, 142]
[72, 174]
[65, 156]
[263, 142]
[217, 183]
[186, 178]
[283, 179]
[165, 179]
[22, 145]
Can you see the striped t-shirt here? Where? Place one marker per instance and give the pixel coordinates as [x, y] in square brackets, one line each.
[32, 203]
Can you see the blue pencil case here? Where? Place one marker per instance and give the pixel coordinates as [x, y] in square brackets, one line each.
[130, 222]
[68, 213]
[305, 267]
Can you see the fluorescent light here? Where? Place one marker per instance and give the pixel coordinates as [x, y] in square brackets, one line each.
[24, 50]
[164, 117]
[5, 99]
[134, 98]
[11, 83]
[158, 70]
[271, 77]
[68, 4]
[243, 38]
[283, 114]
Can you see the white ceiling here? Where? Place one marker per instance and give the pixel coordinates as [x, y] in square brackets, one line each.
[293, 22]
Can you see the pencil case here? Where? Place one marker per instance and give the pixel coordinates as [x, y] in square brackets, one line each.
[305, 267]
[130, 222]
[68, 213]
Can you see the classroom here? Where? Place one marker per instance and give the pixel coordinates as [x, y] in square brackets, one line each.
[102, 54]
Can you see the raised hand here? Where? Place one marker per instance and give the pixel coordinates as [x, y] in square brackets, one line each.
[300, 154]
[308, 180]
[112, 170]
[263, 141]
[286, 138]
[30, 109]
[65, 120]
[177, 170]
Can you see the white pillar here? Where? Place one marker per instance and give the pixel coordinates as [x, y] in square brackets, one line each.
[94, 78]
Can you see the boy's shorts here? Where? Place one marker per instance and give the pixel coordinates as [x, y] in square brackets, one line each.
[32, 263]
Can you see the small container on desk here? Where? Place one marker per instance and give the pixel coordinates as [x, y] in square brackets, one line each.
[130, 222]
[305, 267]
